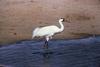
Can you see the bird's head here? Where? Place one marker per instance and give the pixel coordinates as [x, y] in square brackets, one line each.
[61, 20]
[64, 20]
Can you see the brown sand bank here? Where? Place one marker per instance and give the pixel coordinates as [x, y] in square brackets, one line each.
[19, 17]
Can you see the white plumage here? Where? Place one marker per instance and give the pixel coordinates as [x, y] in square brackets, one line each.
[48, 31]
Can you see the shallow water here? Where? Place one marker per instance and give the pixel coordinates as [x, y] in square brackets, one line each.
[61, 53]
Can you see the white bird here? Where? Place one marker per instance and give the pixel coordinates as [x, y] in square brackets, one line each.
[48, 31]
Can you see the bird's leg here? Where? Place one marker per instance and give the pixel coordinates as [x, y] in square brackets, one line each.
[46, 42]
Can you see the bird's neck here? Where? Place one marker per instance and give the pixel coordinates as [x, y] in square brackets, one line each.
[62, 26]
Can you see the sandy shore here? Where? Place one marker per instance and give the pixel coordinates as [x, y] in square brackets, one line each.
[19, 17]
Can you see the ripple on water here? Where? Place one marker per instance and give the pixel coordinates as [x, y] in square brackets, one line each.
[61, 53]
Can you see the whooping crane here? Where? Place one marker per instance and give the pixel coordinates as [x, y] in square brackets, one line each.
[48, 31]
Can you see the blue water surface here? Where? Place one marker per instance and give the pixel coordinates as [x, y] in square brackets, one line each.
[60, 53]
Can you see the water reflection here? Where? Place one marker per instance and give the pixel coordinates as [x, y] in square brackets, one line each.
[46, 57]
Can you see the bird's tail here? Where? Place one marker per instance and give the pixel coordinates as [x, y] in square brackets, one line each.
[35, 32]
[33, 36]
